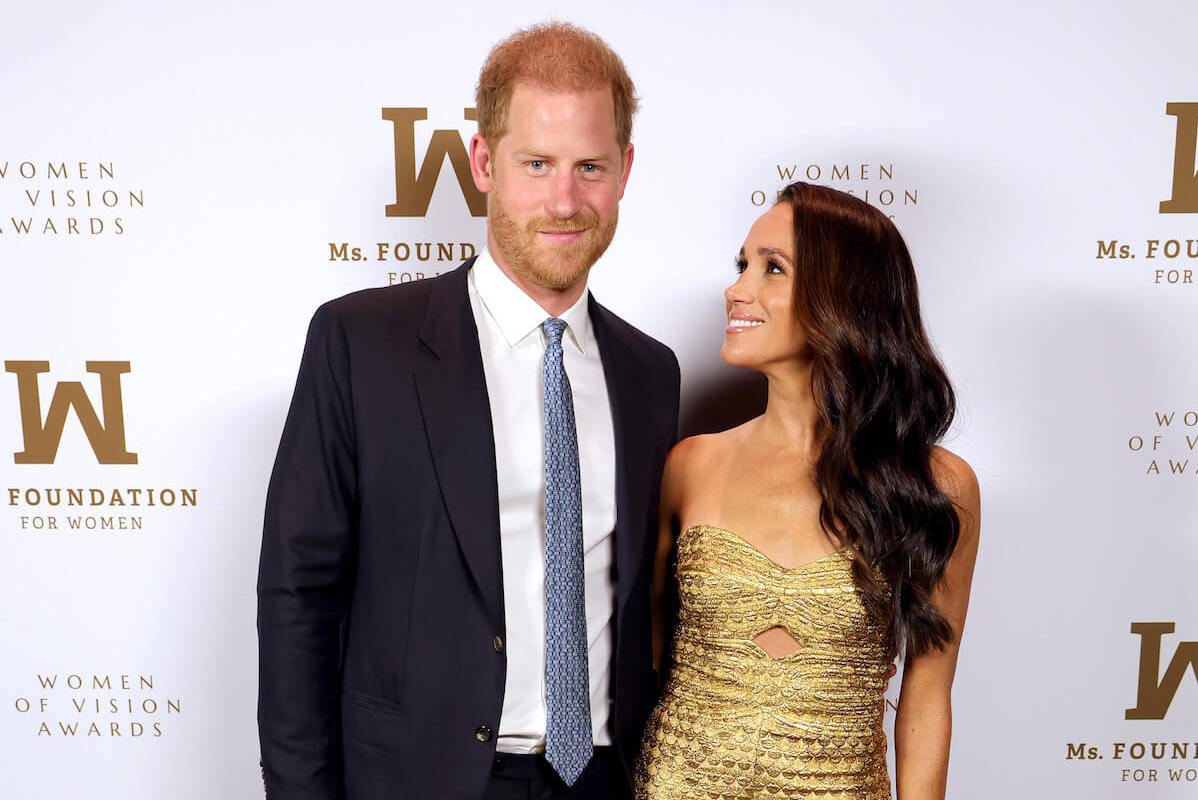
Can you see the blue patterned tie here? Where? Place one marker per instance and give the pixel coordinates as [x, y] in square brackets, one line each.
[568, 745]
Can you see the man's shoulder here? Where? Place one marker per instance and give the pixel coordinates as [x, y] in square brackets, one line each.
[385, 300]
[633, 336]
[401, 307]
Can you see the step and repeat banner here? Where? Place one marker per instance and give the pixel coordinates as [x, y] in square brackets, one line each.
[180, 187]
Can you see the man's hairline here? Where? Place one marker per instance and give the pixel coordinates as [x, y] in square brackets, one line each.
[611, 94]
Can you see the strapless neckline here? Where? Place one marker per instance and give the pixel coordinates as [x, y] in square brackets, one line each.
[843, 553]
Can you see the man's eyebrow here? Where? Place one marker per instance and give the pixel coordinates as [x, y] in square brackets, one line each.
[529, 152]
[772, 251]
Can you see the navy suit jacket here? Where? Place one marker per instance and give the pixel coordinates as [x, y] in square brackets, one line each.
[380, 601]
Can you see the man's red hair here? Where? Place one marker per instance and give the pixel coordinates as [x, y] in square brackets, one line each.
[555, 55]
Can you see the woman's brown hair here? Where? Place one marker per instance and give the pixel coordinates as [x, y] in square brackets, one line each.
[884, 402]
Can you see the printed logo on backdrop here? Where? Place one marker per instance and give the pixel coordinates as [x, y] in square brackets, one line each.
[75, 705]
[880, 184]
[1141, 758]
[107, 439]
[99, 419]
[1185, 172]
[418, 177]
[414, 192]
[1169, 258]
[1166, 447]
[65, 199]
[1156, 692]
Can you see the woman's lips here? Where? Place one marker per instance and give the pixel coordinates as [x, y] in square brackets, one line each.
[739, 323]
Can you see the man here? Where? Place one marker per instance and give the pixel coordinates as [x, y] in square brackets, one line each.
[456, 557]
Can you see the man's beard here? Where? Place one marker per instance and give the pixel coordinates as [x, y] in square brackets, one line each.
[549, 266]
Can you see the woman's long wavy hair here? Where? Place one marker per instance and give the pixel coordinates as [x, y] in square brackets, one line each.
[884, 402]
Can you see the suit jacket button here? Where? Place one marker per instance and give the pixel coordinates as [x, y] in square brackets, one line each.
[483, 734]
[497, 643]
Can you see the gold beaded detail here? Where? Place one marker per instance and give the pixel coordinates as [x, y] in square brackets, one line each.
[733, 722]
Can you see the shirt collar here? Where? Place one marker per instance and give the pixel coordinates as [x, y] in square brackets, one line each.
[516, 314]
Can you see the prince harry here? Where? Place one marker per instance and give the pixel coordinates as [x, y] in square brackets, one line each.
[457, 550]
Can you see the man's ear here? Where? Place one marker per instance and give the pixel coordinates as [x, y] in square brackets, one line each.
[627, 168]
[481, 163]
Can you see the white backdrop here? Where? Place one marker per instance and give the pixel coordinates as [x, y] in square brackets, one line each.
[241, 143]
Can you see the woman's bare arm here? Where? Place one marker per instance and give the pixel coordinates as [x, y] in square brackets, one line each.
[923, 724]
[672, 480]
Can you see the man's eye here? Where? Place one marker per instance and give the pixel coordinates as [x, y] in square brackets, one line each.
[589, 168]
[535, 164]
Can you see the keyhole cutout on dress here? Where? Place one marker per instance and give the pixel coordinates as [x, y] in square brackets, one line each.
[777, 642]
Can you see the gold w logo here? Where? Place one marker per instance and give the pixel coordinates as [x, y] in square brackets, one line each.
[414, 192]
[41, 439]
[1185, 175]
[1154, 696]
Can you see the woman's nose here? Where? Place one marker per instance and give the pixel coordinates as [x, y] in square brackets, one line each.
[737, 292]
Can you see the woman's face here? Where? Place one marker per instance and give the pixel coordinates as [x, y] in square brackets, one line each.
[763, 329]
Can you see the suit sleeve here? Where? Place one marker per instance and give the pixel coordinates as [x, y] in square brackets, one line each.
[675, 394]
[669, 599]
[305, 574]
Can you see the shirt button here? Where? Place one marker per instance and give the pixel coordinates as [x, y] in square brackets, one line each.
[497, 643]
[483, 734]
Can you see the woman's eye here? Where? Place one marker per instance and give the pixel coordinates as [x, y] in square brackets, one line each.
[741, 265]
[774, 268]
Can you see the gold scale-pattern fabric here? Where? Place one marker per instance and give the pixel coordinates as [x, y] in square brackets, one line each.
[734, 723]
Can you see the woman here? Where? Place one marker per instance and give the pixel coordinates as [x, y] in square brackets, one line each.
[820, 537]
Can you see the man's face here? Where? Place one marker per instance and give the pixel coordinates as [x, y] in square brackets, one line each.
[554, 183]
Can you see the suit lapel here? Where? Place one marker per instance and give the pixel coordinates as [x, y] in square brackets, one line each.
[632, 429]
[452, 391]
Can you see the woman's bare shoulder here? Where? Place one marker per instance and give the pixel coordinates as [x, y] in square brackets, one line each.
[959, 483]
[706, 447]
[953, 475]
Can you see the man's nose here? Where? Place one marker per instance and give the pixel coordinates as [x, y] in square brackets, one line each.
[564, 201]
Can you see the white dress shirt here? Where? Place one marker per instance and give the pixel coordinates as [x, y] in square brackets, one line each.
[513, 349]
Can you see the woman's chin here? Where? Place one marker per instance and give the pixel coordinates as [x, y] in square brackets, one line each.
[735, 356]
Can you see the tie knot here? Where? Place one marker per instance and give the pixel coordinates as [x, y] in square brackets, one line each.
[554, 328]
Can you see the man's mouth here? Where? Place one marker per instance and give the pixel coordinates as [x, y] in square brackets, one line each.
[563, 237]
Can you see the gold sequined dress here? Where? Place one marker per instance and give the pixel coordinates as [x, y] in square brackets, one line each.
[735, 723]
